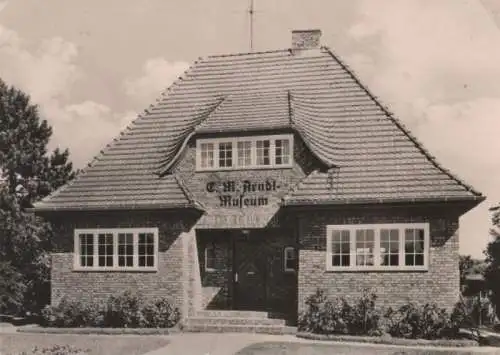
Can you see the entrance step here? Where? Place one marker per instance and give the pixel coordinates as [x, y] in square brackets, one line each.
[261, 329]
[234, 321]
[219, 321]
[232, 314]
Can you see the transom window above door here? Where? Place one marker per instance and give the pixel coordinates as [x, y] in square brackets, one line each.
[377, 247]
[244, 152]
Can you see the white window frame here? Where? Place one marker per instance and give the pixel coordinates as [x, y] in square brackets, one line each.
[376, 251]
[114, 231]
[253, 151]
[285, 258]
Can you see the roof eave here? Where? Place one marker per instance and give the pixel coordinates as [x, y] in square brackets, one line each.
[475, 200]
[48, 209]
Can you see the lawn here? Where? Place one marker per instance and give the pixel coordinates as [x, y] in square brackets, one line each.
[95, 344]
[330, 349]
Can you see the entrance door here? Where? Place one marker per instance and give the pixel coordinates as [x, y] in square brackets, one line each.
[250, 273]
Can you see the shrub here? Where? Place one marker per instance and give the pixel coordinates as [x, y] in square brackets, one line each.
[420, 322]
[363, 317]
[122, 310]
[72, 314]
[324, 316]
[160, 314]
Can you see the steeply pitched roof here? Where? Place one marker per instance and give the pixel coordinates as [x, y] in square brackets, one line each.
[372, 156]
[248, 112]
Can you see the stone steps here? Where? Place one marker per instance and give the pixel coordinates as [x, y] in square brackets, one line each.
[232, 314]
[229, 328]
[234, 321]
[219, 321]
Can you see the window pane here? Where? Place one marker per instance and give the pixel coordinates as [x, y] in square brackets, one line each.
[414, 247]
[146, 249]
[290, 258]
[86, 249]
[125, 249]
[105, 249]
[389, 247]
[207, 155]
[244, 153]
[263, 152]
[210, 255]
[341, 248]
[225, 154]
[364, 246]
[282, 151]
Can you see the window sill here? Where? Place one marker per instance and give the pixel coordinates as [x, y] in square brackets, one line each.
[117, 269]
[378, 269]
[280, 167]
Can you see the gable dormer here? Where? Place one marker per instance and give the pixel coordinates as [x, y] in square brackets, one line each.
[245, 152]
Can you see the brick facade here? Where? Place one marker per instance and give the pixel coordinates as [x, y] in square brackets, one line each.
[440, 284]
[174, 263]
[181, 273]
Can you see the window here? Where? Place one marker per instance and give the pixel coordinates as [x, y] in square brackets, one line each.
[289, 259]
[282, 152]
[226, 155]
[263, 152]
[378, 247]
[207, 155]
[105, 249]
[244, 152]
[414, 247]
[210, 257]
[86, 249]
[365, 242]
[116, 249]
[216, 255]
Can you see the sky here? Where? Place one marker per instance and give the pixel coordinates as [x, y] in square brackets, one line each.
[93, 65]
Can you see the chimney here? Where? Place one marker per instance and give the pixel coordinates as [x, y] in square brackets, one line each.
[306, 39]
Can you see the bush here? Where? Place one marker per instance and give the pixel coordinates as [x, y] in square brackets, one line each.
[160, 314]
[72, 314]
[122, 310]
[420, 322]
[324, 316]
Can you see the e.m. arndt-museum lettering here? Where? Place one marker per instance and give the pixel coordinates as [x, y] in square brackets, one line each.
[244, 193]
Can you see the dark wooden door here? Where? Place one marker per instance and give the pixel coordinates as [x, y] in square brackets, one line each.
[250, 273]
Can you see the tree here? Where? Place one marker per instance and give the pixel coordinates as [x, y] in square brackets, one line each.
[29, 173]
[465, 265]
[492, 252]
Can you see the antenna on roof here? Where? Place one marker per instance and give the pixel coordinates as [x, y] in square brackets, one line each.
[251, 12]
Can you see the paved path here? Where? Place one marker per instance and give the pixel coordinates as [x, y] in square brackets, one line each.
[214, 344]
[230, 343]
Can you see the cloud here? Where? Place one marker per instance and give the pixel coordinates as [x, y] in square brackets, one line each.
[438, 71]
[86, 128]
[47, 74]
[157, 75]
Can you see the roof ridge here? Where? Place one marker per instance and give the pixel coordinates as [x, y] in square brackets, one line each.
[400, 125]
[238, 54]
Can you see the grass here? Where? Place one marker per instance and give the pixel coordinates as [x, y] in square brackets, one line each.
[337, 349]
[95, 344]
